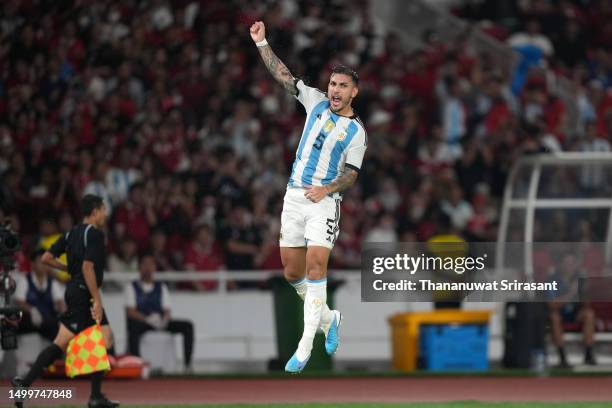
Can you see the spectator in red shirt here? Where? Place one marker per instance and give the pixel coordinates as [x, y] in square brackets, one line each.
[160, 251]
[83, 174]
[204, 255]
[347, 250]
[136, 217]
[167, 148]
[419, 79]
[268, 257]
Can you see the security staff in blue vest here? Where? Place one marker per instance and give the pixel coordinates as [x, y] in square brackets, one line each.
[148, 308]
[41, 298]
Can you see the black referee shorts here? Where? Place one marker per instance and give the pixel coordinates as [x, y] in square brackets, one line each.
[78, 312]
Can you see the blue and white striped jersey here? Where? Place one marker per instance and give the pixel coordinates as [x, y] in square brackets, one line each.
[329, 141]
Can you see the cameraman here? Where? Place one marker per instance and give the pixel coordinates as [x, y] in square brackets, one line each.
[41, 298]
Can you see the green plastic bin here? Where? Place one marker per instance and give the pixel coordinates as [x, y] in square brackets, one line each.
[289, 320]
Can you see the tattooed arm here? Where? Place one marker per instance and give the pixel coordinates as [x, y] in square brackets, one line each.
[279, 71]
[342, 182]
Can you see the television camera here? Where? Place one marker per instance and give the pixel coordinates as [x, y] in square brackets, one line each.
[9, 314]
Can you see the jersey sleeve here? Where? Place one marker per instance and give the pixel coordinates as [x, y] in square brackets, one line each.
[94, 250]
[356, 150]
[166, 303]
[129, 296]
[308, 96]
[57, 291]
[21, 288]
[59, 246]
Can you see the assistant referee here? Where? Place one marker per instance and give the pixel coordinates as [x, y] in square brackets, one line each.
[85, 249]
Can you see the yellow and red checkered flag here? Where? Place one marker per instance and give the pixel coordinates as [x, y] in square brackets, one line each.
[86, 353]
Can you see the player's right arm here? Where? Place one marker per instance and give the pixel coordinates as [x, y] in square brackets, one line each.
[275, 66]
[56, 250]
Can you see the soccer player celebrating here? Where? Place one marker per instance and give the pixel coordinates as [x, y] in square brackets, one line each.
[327, 162]
[84, 245]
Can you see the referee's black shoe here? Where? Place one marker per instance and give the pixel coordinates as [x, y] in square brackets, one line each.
[17, 383]
[102, 402]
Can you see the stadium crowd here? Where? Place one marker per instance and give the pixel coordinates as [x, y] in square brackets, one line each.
[165, 110]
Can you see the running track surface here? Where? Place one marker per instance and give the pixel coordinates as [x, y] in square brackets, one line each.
[295, 390]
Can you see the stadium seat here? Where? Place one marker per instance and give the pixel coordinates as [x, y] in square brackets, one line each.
[158, 348]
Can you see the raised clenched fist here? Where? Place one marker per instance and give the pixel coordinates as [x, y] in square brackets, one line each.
[258, 31]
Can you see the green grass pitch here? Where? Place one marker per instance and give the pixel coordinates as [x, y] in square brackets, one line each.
[465, 404]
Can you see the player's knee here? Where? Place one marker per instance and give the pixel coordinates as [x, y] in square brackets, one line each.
[63, 345]
[63, 337]
[62, 341]
[316, 267]
[293, 265]
[292, 271]
[316, 270]
[292, 274]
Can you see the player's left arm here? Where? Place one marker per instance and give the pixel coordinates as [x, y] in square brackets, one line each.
[347, 176]
[343, 182]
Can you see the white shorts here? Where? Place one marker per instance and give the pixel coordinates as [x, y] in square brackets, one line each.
[304, 223]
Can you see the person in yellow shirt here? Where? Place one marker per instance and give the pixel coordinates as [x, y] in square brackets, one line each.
[444, 244]
[48, 235]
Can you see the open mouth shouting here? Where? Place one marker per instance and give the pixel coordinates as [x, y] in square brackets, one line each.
[336, 102]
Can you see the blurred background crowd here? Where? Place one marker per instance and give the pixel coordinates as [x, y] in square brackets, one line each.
[165, 109]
